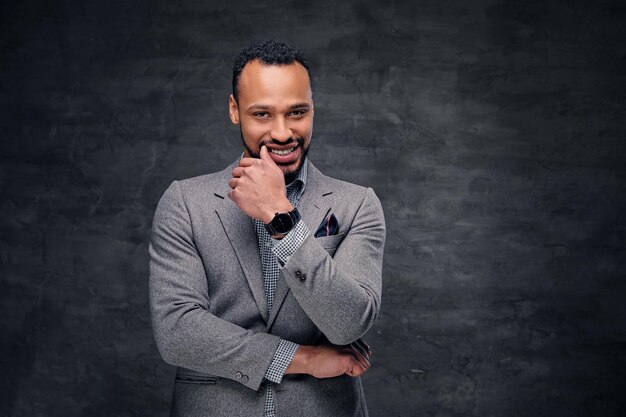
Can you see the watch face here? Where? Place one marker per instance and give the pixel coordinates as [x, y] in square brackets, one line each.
[282, 223]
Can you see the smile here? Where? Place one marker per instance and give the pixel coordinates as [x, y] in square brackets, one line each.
[282, 152]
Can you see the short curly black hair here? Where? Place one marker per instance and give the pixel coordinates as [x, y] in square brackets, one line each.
[269, 52]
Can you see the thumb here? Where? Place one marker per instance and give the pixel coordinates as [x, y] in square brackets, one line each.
[265, 155]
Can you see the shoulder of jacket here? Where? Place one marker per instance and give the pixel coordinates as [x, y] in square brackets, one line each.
[334, 183]
[342, 187]
[203, 181]
[203, 188]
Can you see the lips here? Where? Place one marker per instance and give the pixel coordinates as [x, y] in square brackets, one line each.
[286, 155]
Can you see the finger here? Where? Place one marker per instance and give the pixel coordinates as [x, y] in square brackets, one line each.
[359, 348]
[363, 359]
[238, 172]
[265, 155]
[233, 182]
[365, 346]
[360, 358]
[246, 162]
[357, 368]
[363, 343]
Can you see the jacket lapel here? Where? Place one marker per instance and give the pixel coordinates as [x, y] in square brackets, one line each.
[240, 231]
[314, 205]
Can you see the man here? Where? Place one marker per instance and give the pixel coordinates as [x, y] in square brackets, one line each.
[264, 276]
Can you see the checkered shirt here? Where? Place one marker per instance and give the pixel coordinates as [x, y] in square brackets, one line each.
[273, 253]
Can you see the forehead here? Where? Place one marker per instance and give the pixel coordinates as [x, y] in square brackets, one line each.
[259, 81]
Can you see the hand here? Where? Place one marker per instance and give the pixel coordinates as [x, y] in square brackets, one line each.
[258, 187]
[328, 361]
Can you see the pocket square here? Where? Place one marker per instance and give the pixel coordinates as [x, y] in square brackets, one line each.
[328, 227]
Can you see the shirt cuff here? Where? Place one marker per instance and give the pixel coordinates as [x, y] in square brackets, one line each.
[288, 245]
[282, 358]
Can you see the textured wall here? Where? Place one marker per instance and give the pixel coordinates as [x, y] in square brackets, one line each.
[492, 131]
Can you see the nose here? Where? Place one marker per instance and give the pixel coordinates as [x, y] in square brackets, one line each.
[280, 131]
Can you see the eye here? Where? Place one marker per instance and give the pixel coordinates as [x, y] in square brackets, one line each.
[261, 114]
[297, 113]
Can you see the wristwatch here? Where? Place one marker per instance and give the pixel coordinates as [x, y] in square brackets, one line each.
[282, 223]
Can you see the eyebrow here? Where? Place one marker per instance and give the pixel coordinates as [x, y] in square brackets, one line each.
[264, 107]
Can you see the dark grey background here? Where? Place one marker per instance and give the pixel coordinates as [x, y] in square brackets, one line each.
[492, 131]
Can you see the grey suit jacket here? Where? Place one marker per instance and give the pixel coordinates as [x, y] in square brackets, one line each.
[208, 305]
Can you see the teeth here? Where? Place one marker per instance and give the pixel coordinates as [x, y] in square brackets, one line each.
[284, 152]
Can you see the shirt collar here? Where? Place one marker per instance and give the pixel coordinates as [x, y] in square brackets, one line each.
[301, 178]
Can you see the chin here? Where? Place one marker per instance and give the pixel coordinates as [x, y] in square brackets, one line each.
[291, 171]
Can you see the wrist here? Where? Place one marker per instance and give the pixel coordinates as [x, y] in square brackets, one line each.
[300, 362]
[281, 207]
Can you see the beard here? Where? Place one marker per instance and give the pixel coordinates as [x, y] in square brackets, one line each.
[289, 176]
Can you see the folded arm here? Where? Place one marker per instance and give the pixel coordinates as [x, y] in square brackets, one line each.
[341, 294]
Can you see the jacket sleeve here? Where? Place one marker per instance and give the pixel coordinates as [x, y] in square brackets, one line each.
[186, 333]
[342, 294]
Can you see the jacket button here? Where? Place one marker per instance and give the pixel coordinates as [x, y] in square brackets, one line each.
[300, 275]
[238, 375]
[244, 378]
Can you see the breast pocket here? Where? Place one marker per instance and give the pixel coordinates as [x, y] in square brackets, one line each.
[330, 243]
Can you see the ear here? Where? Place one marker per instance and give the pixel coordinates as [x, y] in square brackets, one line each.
[233, 110]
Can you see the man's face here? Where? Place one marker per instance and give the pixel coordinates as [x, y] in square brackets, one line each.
[275, 109]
